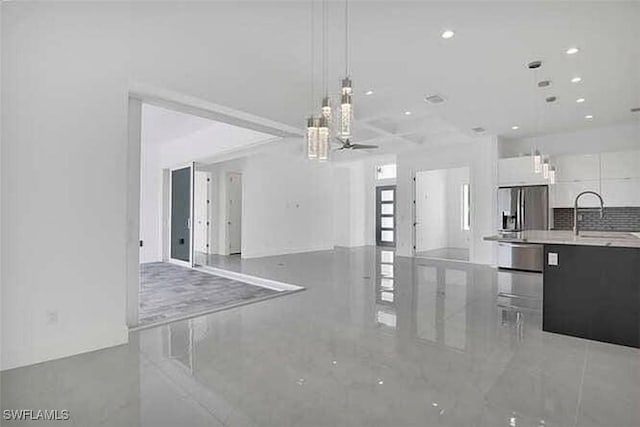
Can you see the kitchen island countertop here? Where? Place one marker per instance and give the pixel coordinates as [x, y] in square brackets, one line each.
[558, 237]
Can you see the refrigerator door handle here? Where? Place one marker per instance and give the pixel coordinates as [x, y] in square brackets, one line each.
[519, 210]
[524, 209]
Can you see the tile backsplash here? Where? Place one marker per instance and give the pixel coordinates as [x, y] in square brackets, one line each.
[615, 219]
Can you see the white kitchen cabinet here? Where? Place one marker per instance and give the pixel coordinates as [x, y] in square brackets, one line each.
[583, 167]
[621, 192]
[518, 171]
[563, 194]
[620, 164]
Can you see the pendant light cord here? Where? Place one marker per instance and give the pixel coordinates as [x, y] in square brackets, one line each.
[313, 50]
[346, 37]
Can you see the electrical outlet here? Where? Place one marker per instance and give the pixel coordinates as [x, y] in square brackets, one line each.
[52, 317]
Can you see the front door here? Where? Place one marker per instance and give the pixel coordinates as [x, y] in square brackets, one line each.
[181, 214]
[386, 216]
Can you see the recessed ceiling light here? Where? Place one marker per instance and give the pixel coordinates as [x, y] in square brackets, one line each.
[589, 117]
[551, 99]
[576, 79]
[447, 34]
[580, 100]
[515, 127]
[544, 83]
[478, 129]
[369, 92]
[635, 110]
[572, 51]
[407, 113]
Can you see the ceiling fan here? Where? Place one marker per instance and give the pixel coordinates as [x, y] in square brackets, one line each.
[347, 145]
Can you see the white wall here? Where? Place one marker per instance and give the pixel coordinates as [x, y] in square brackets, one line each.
[64, 150]
[288, 204]
[439, 209]
[596, 140]
[431, 210]
[481, 158]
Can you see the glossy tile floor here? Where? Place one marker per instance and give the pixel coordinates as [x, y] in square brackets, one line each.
[372, 341]
[455, 254]
[169, 291]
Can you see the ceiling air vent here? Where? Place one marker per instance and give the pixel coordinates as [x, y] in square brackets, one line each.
[534, 65]
[479, 129]
[635, 110]
[434, 99]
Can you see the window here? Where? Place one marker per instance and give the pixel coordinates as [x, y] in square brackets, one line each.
[466, 211]
[386, 171]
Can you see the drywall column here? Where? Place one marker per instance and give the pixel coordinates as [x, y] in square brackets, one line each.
[483, 185]
[133, 210]
[64, 176]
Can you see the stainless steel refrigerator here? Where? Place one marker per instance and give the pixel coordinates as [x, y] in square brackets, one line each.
[520, 209]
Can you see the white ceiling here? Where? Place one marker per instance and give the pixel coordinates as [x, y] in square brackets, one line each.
[193, 137]
[255, 57]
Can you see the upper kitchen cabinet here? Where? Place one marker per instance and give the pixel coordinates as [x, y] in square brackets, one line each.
[563, 194]
[620, 165]
[518, 171]
[621, 192]
[584, 167]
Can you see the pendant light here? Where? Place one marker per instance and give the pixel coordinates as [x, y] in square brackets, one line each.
[346, 104]
[545, 168]
[313, 124]
[537, 161]
[552, 175]
[323, 139]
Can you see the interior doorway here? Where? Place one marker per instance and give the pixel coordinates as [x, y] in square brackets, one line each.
[386, 216]
[442, 224]
[180, 211]
[234, 213]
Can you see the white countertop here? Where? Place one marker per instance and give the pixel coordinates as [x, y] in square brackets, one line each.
[586, 238]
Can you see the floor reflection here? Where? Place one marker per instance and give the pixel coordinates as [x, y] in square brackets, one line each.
[376, 339]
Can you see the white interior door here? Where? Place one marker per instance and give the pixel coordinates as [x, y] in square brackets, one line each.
[202, 210]
[234, 212]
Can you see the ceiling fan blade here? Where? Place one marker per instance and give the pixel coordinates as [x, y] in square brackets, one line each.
[363, 146]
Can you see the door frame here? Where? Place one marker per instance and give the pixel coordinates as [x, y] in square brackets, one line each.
[379, 215]
[190, 262]
[227, 213]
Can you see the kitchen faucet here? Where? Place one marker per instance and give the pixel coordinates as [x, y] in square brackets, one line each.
[575, 209]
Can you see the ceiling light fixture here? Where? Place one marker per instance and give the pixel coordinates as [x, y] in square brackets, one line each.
[572, 51]
[580, 100]
[447, 34]
[537, 162]
[576, 79]
[515, 127]
[369, 92]
[589, 117]
[545, 168]
[346, 105]
[407, 113]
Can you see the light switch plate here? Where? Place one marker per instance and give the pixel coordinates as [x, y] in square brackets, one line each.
[552, 258]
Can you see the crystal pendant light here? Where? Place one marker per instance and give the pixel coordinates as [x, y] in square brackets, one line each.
[537, 162]
[346, 116]
[312, 137]
[552, 175]
[323, 139]
[545, 168]
[326, 110]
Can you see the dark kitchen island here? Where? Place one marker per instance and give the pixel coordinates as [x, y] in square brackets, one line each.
[591, 283]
